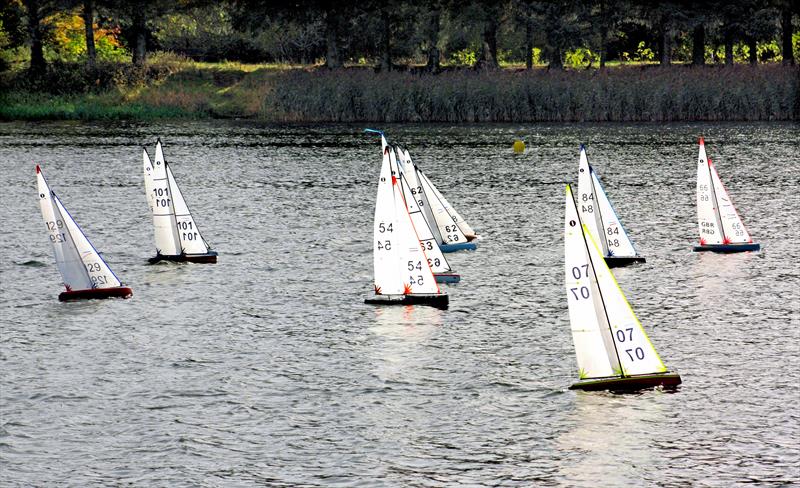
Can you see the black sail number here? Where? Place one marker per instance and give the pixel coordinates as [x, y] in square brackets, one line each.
[634, 354]
[580, 292]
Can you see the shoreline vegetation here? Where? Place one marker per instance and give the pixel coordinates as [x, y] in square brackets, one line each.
[173, 87]
[319, 61]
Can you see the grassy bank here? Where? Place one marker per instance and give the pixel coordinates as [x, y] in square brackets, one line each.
[187, 89]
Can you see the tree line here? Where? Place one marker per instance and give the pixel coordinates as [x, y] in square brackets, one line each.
[430, 34]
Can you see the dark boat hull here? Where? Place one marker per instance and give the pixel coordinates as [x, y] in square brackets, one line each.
[668, 380]
[459, 246]
[728, 248]
[96, 293]
[447, 277]
[618, 261]
[209, 257]
[440, 301]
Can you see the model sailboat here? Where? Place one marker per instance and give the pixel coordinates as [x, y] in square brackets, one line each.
[599, 216]
[86, 275]
[454, 232]
[612, 349]
[416, 203]
[177, 235]
[403, 275]
[721, 228]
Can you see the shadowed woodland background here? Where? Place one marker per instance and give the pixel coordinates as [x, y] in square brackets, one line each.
[403, 61]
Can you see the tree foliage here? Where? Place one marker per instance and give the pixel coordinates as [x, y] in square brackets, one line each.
[478, 33]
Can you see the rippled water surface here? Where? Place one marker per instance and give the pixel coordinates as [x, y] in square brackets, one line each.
[268, 369]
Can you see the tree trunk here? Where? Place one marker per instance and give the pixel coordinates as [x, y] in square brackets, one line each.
[753, 48]
[728, 47]
[786, 36]
[603, 34]
[386, 40]
[488, 59]
[664, 44]
[699, 45]
[140, 30]
[433, 40]
[332, 59]
[556, 59]
[528, 42]
[38, 64]
[88, 20]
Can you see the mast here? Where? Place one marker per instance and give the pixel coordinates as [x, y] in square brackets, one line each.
[601, 231]
[599, 291]
[716, 202]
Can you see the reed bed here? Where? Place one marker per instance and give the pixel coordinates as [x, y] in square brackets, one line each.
[185, 89]
[711, 93]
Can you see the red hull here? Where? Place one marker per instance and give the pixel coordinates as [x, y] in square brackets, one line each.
[96, 293]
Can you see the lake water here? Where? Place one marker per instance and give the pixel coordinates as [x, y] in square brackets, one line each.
[268, 369]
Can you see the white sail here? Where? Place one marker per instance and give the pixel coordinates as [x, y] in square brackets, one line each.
[413, 261]
[454, 217]
[430, 245]
[388, 280]
[147, 166]
[410, 172]
[708, 221]
[629, 352]
[590, 333]
[401, 266]
[189, 235]
[78, 261]
[633, 348]
[733, 229]
[587, 200]
[448, 229]
[166, 230]
[616, 240]
[176, 231]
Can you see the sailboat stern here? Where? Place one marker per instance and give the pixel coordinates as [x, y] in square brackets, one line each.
[619, 261]
[668, 380]
[447, 277]
[208, 257]
[436, 300]
[458, 246]
[728, 248]
[95, 294]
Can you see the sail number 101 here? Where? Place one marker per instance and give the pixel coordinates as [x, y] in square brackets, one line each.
[161, 197]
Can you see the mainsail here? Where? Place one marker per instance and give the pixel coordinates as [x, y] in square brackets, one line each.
[401, 266]
[717, 218]
[609, 339]
[176, 232]
[77, 260]
[599, 215]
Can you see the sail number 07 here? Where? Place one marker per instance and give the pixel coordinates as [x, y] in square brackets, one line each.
[634, 353]
[579, 272]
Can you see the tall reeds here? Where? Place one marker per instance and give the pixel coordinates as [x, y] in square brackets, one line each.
[621, 94]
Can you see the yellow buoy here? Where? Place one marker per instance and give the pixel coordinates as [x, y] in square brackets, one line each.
[519, 146]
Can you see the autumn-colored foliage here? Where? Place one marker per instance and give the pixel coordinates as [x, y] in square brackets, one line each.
[68, 43]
